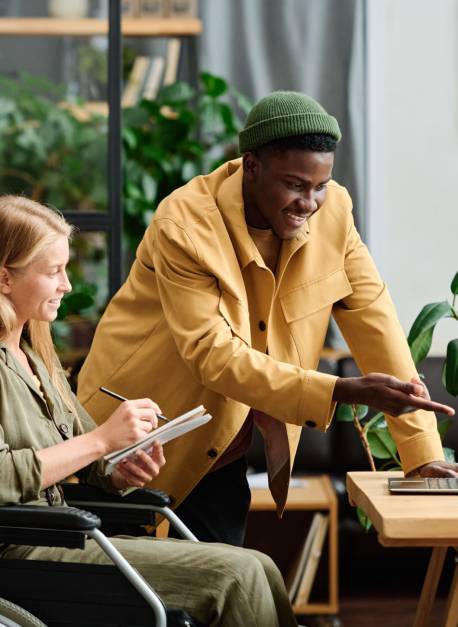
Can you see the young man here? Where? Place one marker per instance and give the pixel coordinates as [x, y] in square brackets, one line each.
[228, 303]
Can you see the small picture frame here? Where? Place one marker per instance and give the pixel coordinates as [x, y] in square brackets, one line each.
[181, 8]
[129, 8]
[152, 8]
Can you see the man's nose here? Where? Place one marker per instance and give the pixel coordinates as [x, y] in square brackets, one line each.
[306, 203]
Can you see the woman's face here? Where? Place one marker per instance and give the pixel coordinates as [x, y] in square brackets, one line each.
[36, 292]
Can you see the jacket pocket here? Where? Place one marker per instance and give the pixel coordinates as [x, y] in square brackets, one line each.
[236, 315]
[310, 298]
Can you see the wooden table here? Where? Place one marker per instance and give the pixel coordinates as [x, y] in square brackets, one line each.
[412, 520]
[317, 494]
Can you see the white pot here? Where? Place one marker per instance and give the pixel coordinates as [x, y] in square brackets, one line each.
[68, 8]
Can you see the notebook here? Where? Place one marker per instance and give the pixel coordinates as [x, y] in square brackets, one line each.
[429, 485]
[173, 429]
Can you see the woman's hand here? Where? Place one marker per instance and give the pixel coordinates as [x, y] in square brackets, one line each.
[128, 424]
[139, 469]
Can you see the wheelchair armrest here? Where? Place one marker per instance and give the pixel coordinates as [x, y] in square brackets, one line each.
[45, 526]
[140, 496]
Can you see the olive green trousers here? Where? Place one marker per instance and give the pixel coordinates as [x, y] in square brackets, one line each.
[218, 584]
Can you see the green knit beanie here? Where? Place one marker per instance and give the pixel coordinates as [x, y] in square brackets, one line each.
[284, 114]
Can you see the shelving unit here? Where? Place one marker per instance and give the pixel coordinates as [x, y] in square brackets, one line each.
[317, 494]
[115, 27]
[88, 27]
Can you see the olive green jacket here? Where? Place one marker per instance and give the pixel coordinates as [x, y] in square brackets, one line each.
[29, 423]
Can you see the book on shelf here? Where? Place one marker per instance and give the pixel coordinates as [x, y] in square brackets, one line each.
[153, 78]
[175, 428]
[134, 85]
[172, 60]
[297, 570]
[312, 560]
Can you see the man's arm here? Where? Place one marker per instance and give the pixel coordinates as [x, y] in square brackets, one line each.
[369, 323]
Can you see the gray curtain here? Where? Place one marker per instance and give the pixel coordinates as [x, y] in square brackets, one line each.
[313, 46]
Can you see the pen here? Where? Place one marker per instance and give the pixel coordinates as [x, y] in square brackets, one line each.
[123, 398]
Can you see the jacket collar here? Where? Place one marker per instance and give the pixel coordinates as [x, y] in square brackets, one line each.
[231, 205]
[37, 366]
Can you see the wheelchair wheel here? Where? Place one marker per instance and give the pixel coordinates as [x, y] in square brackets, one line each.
[12, 615]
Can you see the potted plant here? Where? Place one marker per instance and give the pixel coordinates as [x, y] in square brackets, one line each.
[373, 431]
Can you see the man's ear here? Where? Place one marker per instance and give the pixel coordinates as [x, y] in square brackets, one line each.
[5, 280]
[251, 165]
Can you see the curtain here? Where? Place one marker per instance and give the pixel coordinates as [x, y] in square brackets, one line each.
[313, 46]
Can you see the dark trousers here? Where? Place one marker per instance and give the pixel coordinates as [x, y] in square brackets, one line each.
[216, 510]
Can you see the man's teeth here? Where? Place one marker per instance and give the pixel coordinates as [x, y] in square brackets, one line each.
[295, 216]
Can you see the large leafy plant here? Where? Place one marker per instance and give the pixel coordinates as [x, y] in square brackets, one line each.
[55, 156]
[169, 140]
[373, 431]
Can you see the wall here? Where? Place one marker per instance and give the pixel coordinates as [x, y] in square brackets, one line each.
[413, 152]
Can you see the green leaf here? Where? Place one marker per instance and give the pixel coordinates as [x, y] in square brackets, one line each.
[242, 101]
[74, 303]
[381, 444]
[214, 85]
[451, 367]
[377, 421]
[129, 138]
[454, 285]
[149, 185]
[421, 333]
[344, 413]
[449, 454]
[443, 426]
[189, 170]
[361, 411]
[364, 520]
[176, 93]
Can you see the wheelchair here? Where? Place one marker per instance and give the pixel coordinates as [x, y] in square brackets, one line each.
[113, 596]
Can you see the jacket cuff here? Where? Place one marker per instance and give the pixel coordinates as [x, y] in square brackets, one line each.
[419, 450]
[317, 405]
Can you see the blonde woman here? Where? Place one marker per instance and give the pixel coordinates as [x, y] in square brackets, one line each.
[45, 436]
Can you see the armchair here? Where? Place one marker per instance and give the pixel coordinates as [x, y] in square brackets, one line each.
[109, 595]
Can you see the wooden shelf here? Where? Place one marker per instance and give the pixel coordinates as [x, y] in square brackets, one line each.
[317, 494]
[131, 27]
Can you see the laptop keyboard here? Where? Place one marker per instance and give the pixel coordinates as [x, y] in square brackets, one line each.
[443, 483]
[427, 485]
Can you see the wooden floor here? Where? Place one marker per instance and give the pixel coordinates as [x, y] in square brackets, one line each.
[376, 611]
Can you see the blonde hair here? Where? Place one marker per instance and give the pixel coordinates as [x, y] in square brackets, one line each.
[26, 230]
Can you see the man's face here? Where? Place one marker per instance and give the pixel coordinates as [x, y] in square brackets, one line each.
[283, 189]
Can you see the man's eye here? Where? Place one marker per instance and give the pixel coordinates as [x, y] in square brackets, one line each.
[295, 186]
[319, 188]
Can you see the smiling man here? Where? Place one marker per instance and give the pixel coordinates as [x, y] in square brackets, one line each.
[228, 303]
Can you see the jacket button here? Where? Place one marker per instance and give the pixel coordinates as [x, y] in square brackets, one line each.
[310, 423]
[212, 452]
[262, 325]
[63, 428]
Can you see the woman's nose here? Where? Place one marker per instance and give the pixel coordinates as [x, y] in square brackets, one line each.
[66, 286]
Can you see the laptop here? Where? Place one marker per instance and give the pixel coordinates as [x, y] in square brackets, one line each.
[429, 485]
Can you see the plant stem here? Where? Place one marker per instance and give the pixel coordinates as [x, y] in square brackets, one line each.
[363, 437]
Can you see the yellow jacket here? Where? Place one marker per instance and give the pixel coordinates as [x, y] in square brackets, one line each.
[199, 309]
